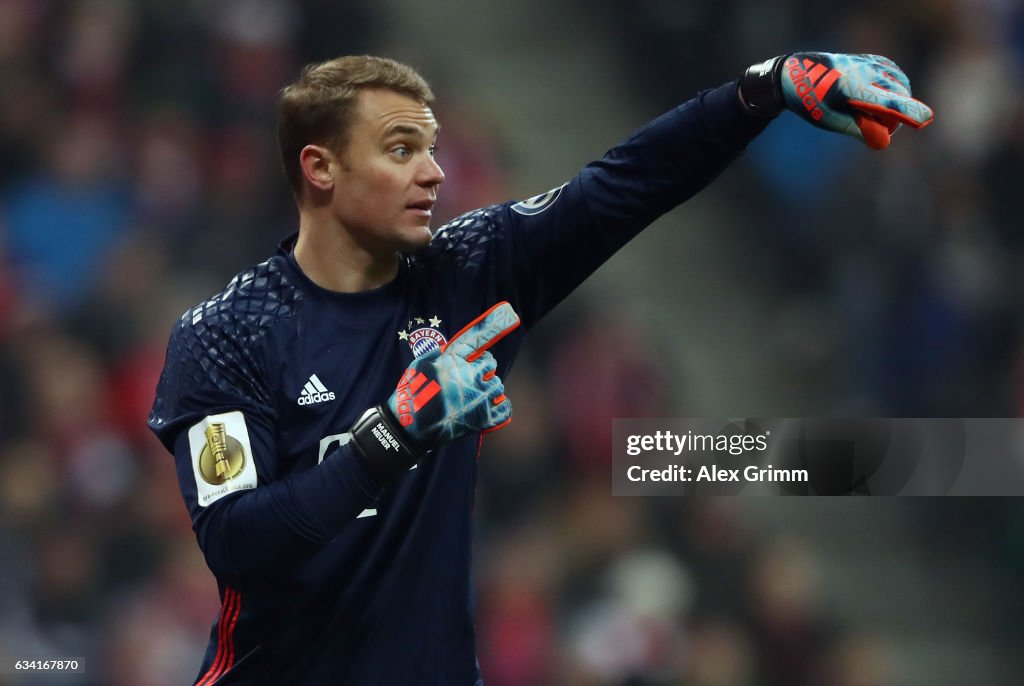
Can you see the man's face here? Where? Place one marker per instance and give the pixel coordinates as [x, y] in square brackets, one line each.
[387, 178]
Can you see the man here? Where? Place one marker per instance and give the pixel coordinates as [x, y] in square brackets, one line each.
[325, 411]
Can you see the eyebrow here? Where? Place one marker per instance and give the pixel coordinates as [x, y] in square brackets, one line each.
[405, 129]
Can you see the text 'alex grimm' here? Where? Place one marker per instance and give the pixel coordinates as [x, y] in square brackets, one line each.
[713, 473]
[702, 450]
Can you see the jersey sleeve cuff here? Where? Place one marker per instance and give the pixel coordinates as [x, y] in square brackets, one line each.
[728, 119]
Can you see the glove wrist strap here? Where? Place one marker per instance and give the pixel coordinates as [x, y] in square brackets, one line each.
[761, 88]
[383, 445]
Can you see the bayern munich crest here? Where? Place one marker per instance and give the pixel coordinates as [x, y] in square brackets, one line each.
[422, 335]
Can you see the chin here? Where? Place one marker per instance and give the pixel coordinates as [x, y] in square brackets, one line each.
[416, 238]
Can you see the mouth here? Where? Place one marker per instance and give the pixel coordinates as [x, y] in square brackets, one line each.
[421, 207]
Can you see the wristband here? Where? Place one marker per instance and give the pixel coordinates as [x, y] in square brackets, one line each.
[383, 445]
[761, 88]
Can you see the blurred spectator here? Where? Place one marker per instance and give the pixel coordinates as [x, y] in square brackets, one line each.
[786, 618]
[518, 598]
[60, 224]
[719, 654]
[605, 368]
[95, 54]
[856, 660]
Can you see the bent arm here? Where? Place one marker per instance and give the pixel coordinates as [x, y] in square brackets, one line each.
[261, 531]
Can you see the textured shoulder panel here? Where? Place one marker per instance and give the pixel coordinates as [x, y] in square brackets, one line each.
[466, 239]
[216, 344]
[252, 301]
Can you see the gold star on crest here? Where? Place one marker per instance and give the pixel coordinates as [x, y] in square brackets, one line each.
[403, 336]
[419, 320]
[435, 322]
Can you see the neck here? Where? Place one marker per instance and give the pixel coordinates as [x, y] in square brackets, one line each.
[329, 256]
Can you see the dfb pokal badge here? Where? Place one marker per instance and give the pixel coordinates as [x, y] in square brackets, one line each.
[422, 335]
[222, 457]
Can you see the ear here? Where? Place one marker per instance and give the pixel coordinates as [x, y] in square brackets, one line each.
[315, 161]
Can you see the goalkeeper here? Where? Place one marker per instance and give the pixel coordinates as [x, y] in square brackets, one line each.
[325, 411]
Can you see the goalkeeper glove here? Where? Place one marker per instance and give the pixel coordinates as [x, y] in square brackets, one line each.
[444, 394]
[865, 96]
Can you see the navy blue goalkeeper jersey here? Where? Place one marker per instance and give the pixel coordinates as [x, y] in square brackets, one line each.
[325, 575]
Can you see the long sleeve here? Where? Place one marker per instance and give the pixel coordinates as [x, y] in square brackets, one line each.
[251, 532]
[215, 411]
[559, 240]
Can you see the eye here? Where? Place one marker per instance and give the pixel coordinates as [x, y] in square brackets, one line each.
[432, 150]
[401, 151]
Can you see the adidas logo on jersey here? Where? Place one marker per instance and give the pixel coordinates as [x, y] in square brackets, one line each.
[315, 392]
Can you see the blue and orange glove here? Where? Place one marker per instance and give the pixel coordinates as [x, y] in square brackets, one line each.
[444, 394]
[864, 96]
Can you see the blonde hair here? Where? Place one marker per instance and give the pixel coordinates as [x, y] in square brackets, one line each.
[318, 108]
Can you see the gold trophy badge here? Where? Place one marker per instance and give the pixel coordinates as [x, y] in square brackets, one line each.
[222, 458]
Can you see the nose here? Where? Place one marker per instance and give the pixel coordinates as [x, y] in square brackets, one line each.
[431, 174]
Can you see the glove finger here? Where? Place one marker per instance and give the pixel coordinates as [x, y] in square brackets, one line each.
[500, 415]
[496, 394]
[890, 85]
[487, 365]
[874, 133]
[505, 423]
[890, 71]
[483, 332]
[898, 108]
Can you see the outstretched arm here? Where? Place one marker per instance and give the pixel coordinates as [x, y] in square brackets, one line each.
[559, 238]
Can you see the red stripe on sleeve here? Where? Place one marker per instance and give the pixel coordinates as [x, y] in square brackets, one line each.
[231, 633]
[229, 606]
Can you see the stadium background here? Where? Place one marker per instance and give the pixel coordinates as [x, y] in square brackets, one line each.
[816, 277]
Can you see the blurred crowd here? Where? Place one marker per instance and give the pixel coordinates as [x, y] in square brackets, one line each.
[139, 173]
